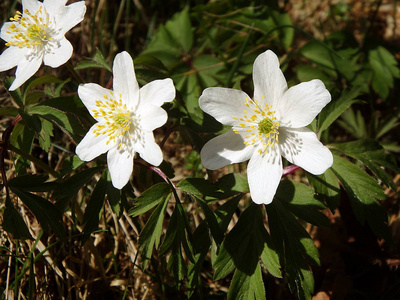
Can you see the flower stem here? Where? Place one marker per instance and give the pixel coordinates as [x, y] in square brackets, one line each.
[74, 74]
[289, 170]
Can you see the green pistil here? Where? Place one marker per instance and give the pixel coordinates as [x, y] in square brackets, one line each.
[265, 126]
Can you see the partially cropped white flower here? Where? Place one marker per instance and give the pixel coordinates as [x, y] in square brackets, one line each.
[126, 117]
[37, 35]
[269, 126]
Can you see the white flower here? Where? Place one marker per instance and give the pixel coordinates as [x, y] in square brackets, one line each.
[36, 35]
[266, 127]
[126, 118]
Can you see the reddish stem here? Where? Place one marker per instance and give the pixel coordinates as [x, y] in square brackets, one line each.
[289, 170]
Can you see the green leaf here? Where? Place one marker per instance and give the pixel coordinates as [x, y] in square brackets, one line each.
[32, 183]
[70, 186]
[287, 32]
[16, 95]
[197, 186]
[243, 245]
[61, 118]
[175, 239]
[98, 61]
[8, 111]
[150, 198]
[151, 233]
[31, 121]
[363, 191]
[38, 81]
[14, 223]
[308, 72]
[385, 69]
[343, 61]
[212, 221]
[327, 188]
[93, 209]
[46, 212]
[372, 155]
[299, 199]
[172, 40]
[294, 246]
[150, 62]
[246, 287]
[113, 196]
[354, 123]
[233, 183]
[336, 107]
[270, 258]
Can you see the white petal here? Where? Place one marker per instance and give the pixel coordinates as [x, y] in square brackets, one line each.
[152, 117]
[125, 80]
[157, 92]
[65, 16]
[264, 173]
[60, 55]
[10, 58]
[4, 34]
[223, 104]
[54, 6]
[226, 149]
[92, 146]
[301, 147]
[302, 103]
[150, 152]
[25, 70]
[120, 165]
[89, 93]
[269, 82]
[31, 5]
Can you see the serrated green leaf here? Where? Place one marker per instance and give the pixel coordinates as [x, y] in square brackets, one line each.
[234, 183]
[31, 121]
[150, 198]
[8, 111]
[98, 61]
[93, 209]
[151, 233]
[16, 95]
[32, 183]
[336, 107]
[385, 69]
[363, 191]
[197, 186]
[372, 155]
[149, 62]
[14, 223]
[247, 287]
[327, 188]
[113, 196]
[37, 81]
[270, 258]
[173, 40]
[46, 212]
[299, 199]
[70, 186]
[294, 246]
[243, 245]
[212, 221]
[61, 118]
[307, 73]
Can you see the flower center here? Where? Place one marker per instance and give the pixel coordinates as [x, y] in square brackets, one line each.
[258, 125]
[116, 121]
[30, 30]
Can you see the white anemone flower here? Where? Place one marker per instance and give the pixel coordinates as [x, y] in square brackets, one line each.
[37, 35]
[126, 117]
[269, 126]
